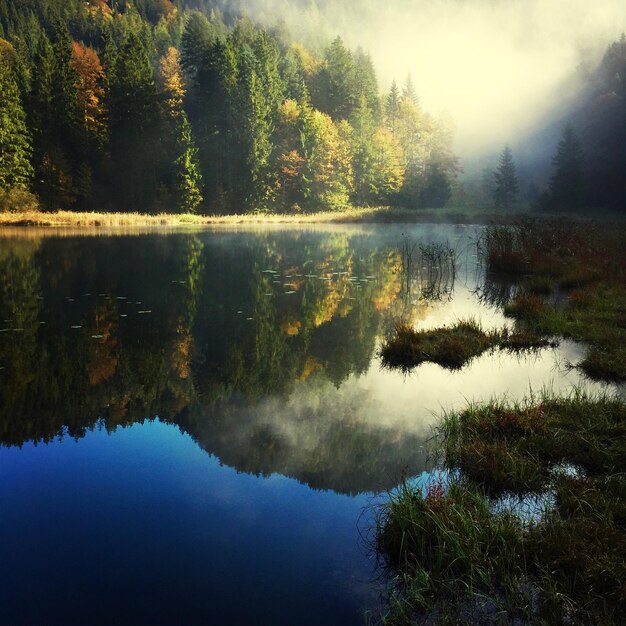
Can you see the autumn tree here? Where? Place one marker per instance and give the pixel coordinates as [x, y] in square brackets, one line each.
[326, 173]
[185, 182]
[90, 92]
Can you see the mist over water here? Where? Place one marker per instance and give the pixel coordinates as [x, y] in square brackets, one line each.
[497, 67]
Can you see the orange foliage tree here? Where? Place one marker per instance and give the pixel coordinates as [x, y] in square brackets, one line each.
[90, 89]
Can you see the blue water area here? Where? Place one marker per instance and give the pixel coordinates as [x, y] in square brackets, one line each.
[195, 428]
[142, 526]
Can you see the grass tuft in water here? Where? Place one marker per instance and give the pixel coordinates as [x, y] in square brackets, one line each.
[452, 547]
[454, 346]
[570, 281]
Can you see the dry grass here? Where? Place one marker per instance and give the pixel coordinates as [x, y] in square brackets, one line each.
[125, 220]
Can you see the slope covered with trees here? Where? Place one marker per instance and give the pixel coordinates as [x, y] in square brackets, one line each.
[161, 105]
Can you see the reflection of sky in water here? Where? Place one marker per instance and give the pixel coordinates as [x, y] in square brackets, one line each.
[142, 526]
[249, 511]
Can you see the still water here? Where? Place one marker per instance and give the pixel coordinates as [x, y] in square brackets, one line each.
[195, 427]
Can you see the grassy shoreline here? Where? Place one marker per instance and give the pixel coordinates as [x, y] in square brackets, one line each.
[528, 524]
[347, 216]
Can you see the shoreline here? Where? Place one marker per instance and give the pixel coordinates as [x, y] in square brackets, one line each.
[378, 215]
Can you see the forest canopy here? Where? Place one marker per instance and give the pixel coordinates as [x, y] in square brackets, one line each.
[171, 106]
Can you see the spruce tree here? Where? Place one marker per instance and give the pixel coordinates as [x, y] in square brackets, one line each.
[567, 185]
[188, 178]
[134, 129]
[392, 108]
[15, 141]
[506, 183]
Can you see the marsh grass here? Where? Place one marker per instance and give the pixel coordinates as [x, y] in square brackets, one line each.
[583, 259]
[450, 547]
[452, 347]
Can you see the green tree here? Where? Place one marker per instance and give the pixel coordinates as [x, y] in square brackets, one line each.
[506, 183]
[365, 81]
[363, 126]
[392, 108]
[134, 131]
[15, 140]
[188, 178]
[196, 41]
[408, 91]
[336, 91]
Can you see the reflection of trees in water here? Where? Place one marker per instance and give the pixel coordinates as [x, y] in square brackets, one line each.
[20, 306]
[98, 360]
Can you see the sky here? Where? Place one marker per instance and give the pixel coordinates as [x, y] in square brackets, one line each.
[498, 67]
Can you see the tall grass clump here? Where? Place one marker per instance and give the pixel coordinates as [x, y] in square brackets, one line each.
[555, 557]
[582, 264]
[451, 347]
[447, 550]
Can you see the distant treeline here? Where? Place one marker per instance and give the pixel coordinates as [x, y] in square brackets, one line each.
[587, 169]
[157, 106]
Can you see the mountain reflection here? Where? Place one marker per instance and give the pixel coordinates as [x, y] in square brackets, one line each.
[251, 343]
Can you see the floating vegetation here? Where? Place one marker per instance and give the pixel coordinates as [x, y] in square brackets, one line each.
[97, 336]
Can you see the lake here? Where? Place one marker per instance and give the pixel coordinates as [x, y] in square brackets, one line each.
[195, 427]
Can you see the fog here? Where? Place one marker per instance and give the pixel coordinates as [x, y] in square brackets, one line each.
[498, 67]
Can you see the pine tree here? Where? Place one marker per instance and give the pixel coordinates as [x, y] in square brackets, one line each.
[15, 141]
[567, 185]
[362, 122]
[506, 183]
[196, 41]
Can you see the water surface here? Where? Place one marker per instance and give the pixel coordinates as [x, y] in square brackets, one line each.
[194, 425]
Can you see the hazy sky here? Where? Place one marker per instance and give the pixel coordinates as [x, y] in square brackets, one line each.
[497, 66]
